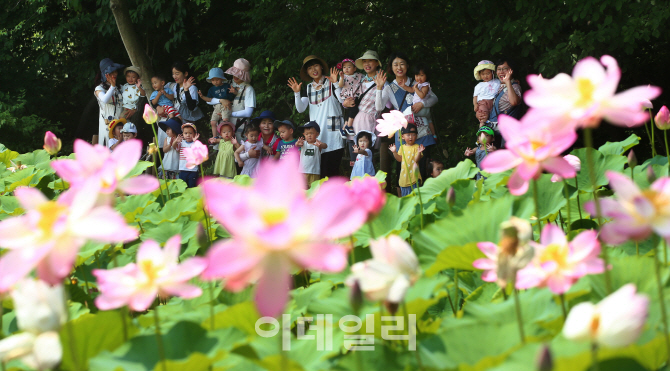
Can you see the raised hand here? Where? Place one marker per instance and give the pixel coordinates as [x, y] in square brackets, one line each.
[294, 85]
[190, 81]
[212, 140]
[355, 148]
[300, 142]
[392, 147]
[111, 79]
[199, 93]
[233, 140]
[333, 75]
[469, 152]
[317, 143]
[139, 83]
[421, 148]
[490, 147]
[233, 90]
[196, 137]
[380, 79]
[507, 78]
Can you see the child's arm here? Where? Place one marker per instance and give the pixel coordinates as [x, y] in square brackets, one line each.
[214, 140]
[474, 102]
[421, 92]
[235, 144]
[204, 97]
[237, 153]
[140, 88]
[277, 155]
[418, 153]
[395, 154]
[432, 129]
[166, 146]
[154, 101]
[320, 144]
[118, 141]
[168, 96]
[407, 88]
[469, 152]
[300, 142]
[341, 82]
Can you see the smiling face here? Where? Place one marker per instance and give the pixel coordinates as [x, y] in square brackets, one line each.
[157, 83]
[310, 135]
[286, 133]
[217, 81]
[132, 77]
[502, 70]
[189, 133]
[348, 68]
[178, 76]
[399, 67]
[266, 127]
[370, 66]
[315, 71]
[486, 75]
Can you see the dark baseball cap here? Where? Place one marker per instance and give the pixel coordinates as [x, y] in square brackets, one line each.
[312, 124]
[411, 128]
[278, 123]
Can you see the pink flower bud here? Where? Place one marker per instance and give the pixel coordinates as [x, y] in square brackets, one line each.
[663, 118]
[451, 197]
[149, 115]
[51, 143]
[369, 194]
[632, 159]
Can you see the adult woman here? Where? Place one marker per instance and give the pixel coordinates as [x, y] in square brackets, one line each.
[401, 100]
[368, 111]
[324, 107]
[245, 96]
[508, 99]
[109, 97]
[186, 104]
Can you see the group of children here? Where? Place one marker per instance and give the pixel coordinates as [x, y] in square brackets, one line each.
[483, 101]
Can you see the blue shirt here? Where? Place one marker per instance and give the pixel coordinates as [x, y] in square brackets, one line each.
[163, 100]
[285, 147]
[220, 92]
[363, 165]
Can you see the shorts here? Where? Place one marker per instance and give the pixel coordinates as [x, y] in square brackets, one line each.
[350, 113]
[221, 112]
[311, 178]
[169, 110]
[404, 191]
[190, 177]
[484, 108]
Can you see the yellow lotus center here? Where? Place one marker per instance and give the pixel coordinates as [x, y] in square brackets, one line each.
[557, 253]
[660, 201]
[586, 89]
[50, 213]
[275, 216]
[150, 270]
[595, 324]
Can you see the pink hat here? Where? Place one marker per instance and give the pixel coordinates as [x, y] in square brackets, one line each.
[240, 69]
[222, 123]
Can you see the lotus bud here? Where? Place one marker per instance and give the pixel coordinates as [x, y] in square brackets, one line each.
[662, 119]
[149, 115]
[391, 307]
[356, 297]
[544, 359]
[152, 148]
[632, 159]
[651, 175]
[51, 143]
[451, 197]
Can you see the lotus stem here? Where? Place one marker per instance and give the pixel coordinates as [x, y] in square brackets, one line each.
[159, 183]
[567, 198]
[667, 151]
[661, 296]
[537, 209]
[418, 191]
[159, 340]
[352, 253]
[167, 187]
[73, 344]
[594, 357]
[409, 332]
[211, 306]
[579, 206]
[517, 307]
[458, 296]
[563, 308]
[209, 237]
[588, 139]
[646, 128]
[124, 314]
[637, 248]
[653, 141]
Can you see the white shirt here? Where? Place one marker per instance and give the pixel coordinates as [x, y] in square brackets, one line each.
[310, 159]
[487, 90]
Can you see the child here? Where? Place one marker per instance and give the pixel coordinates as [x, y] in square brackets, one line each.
[409, 155]
[129, 131]
[172, 128]
[310, 152]
[220, 90]
[421, 88]
[485, 91]
[485, 145]
[132, 90]
[250, 165]
[162, 98]
[363, 165]
[436, 167]
[186, 140]
[115, 135]
[225, 160]
[352, 87]
[287, 143]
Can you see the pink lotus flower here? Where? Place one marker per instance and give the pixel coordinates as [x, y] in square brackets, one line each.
[51, 143]
[196, 154]
[615, 322]
[390, 123]
[531, 147]
[647, 103]
[392, 270]
[635, 214]
[512, 253]
[157, 272]
[557, 263]
[572, 160]
[662, 118]
[369, 192]
[105, 171]
[48, 236]
[149, 114]
[275, 229]
[589, 95]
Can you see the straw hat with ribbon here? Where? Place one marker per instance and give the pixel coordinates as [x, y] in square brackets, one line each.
[303, 70]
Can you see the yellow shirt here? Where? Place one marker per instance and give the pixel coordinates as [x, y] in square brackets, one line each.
[409, 170]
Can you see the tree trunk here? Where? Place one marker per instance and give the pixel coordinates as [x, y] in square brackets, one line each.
[131, 41]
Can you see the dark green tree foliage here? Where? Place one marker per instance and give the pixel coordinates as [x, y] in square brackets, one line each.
[52, 49]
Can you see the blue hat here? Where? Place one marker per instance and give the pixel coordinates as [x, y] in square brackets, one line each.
[264, 115]
[312, 124]
[284, 122]
[173, 124]
[216, 73]
[108, 66]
